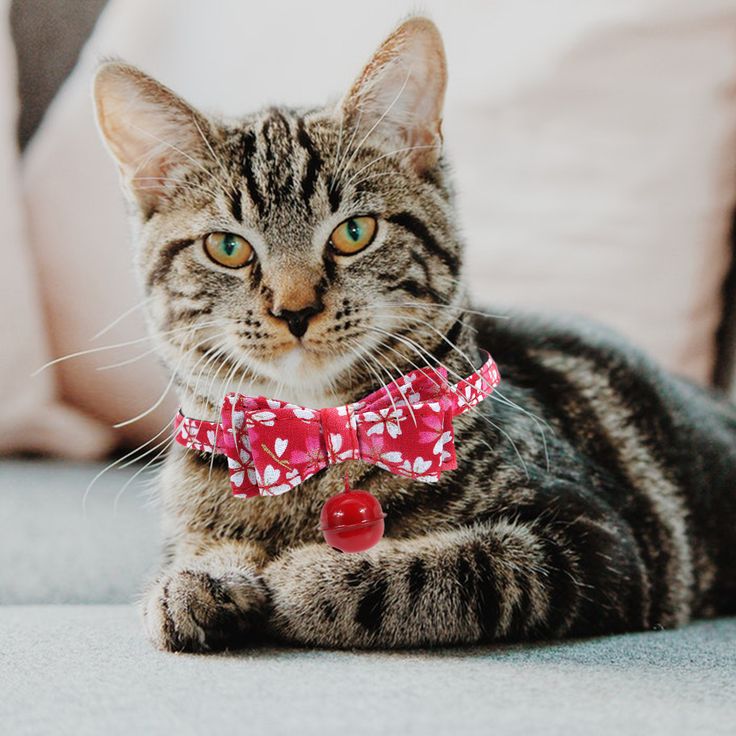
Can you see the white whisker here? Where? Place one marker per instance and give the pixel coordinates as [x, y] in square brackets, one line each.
[119, 319]
[115, 346]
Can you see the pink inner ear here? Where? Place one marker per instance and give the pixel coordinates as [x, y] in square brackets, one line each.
[398, 97]
[149, 130]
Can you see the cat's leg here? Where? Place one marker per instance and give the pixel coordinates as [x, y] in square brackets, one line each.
[499, 579]
[209, 596]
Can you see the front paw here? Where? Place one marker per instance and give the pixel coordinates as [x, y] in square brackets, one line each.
[193, 611]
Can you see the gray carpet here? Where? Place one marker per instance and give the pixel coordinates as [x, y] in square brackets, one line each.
[87, 670]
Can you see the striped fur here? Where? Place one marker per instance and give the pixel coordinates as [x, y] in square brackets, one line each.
[594, 493]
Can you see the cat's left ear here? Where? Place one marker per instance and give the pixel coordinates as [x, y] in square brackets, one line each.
[400, 93]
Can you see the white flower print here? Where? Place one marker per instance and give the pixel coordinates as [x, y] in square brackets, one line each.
[263, 417]
[301, 413]
[237, 418]
[280, 446]
[445, 437]
[237, 467]
[390, 423]
[421, 465]
[270, 475]
[335, 442]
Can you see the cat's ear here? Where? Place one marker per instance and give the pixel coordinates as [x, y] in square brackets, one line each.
[152, 133]
[400, 93]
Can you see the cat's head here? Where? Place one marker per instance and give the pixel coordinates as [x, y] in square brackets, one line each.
[313, 250]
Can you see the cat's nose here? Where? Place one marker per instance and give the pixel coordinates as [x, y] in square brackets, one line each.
[298, 321]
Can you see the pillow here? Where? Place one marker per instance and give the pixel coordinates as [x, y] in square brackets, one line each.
[593, 146]
[31, 419]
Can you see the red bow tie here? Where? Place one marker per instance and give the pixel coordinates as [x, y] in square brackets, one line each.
[405, 428]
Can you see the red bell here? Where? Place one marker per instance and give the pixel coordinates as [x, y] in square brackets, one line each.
[352, 521]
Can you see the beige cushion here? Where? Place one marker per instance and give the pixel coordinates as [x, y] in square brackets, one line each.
[593, 146]
[31, 417]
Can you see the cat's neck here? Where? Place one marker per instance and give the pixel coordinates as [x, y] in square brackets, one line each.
[207, 407]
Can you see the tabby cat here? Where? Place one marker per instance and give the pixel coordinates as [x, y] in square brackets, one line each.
[313, 255]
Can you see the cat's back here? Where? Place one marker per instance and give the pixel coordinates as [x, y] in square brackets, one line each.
[672, 441]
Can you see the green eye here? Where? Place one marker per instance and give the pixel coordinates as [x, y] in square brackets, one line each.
[228, 249]
[353, 235]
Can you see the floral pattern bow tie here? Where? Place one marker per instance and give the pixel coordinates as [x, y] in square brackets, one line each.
[405, 428]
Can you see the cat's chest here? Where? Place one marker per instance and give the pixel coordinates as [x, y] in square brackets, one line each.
[199, 498]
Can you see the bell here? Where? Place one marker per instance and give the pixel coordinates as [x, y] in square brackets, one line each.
[352, 521]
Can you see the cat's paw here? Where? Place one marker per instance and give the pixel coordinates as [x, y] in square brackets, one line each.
[193, 611]
[321, 597]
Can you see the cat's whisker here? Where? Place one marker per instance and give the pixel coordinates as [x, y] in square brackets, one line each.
[540, 423]
[226, 174]
[189, 158]
[435, 305]
[210, 354]
[363, 357]
[483, 417]
[118, 345]
[449, 342]
[399, 373]
[127, 361]
[163, 396]
[499, 397]
[120, 318]
[375, 361]
[511, 442]
[178, 181]
[385, 345]
[406, 149]
[337, 172]
[378, 121]
[221, 353]
[132, 461]
[242, 366]
[117, 462]
[168, 443]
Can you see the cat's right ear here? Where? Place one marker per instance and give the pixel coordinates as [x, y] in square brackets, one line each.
[151, 132]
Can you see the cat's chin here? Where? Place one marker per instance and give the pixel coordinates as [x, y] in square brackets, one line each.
[302, 370]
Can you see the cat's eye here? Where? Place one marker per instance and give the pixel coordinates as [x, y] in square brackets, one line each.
[228, 249]
[351, 236]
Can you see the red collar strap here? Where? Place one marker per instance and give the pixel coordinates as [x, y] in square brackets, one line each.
[404, 428]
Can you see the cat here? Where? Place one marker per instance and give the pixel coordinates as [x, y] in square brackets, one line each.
[313, 256]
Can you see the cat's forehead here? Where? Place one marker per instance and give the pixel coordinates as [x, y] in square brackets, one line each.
[280, 142]
[287, 169]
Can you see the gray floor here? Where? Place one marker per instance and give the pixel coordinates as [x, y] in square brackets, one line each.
[87, 670]
[67, 668]
[62, 543]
